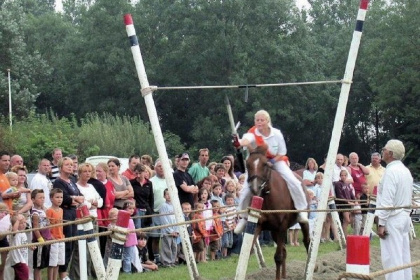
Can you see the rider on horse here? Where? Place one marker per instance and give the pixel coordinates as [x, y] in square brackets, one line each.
[264, 134]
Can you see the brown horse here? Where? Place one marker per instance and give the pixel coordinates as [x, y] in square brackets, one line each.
[267, 183]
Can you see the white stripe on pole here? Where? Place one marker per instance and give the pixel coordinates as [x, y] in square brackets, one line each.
[160, 144]
[335, 140]
[93, 247]
[10, 98]
[367, 230]
[248, 239]
[82, 248]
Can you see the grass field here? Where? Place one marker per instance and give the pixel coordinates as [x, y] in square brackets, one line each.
[226, 268]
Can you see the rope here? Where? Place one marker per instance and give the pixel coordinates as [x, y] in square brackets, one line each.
[252, 85]
[77, 221]
[49, 242]
[336, 210]
[377, 273]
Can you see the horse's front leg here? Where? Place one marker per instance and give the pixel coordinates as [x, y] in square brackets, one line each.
[280, 255]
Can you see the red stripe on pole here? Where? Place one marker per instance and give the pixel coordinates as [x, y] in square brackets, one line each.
[128, 19]
[257, 202]
[358, 250]
[364, 4]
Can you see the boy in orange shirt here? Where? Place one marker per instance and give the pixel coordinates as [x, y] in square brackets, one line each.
[57, 251]
[199, 231]
[216, 231]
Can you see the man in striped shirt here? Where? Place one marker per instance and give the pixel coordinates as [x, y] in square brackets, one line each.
[57, 154]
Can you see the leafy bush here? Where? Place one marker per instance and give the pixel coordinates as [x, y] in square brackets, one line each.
[36, 136]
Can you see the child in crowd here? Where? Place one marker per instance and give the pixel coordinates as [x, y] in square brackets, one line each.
[186, 210]
[229, 225]
[112, 216]
[294, 235]
[41, 253]
[217, 193]
[240, 184]
[204, 197]
[216, 231]
[364, 197]
[220, 173]
[313, 205]
[19, 257]
[345, 199]
[318, 185]
[230, 187]
[13, 182]
[55, 216]
[147, 264]
[169, 233]
[5, 226]
[130, 256]
[200, 233]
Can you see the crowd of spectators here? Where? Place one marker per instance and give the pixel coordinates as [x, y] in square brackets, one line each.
[205, 189]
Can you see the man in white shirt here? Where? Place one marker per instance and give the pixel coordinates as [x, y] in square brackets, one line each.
[41, 181]
[339, 161]
[159, 186]
[395, 190]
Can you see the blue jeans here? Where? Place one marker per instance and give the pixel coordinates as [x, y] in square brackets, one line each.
[128, 258]
[138, 221]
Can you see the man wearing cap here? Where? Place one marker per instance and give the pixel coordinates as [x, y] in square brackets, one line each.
[199, 170]
[183, 180]
[395, 190]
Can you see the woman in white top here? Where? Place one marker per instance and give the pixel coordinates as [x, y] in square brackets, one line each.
[309, 173]
[92, 198]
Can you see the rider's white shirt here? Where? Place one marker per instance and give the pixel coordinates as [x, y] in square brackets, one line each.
[275, 141]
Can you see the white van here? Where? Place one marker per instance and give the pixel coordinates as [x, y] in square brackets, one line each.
[97, 159]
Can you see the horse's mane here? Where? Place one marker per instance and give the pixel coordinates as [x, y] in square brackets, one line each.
[261, 150]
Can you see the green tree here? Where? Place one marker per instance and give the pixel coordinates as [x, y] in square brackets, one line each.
[27, 68]
[392, 63]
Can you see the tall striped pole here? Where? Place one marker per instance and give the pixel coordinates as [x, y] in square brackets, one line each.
[335, 137]
[146, 92]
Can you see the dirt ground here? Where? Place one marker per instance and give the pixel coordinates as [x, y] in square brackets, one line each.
[331, 265]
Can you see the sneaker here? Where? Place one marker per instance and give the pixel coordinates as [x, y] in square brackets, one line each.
[303, 217]
[240, 226]
[66, 278]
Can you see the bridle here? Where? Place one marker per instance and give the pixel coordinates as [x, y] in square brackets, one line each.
[264, 179]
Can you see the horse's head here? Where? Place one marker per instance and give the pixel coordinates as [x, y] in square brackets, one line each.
[258, 170]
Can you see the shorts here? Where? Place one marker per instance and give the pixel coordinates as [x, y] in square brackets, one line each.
[21, 271]
[156, 232]
[198, 247]
[227, 239]
[41, 256]
[4, 243]
[57, 254]
[214, 245]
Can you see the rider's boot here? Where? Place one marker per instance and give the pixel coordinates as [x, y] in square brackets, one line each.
[240, 226]
[303, 217]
